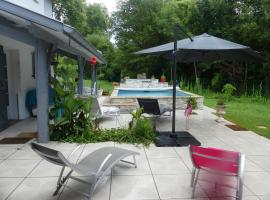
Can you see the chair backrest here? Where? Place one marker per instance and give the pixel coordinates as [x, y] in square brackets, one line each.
[150, 106]
[49, 154]
[216, 159]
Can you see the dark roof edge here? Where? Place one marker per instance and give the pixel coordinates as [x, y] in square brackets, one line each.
[77, 36]
[51, 24]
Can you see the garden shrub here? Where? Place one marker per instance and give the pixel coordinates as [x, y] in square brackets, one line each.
[228, 90]
[141, 133]
[193, 102]
[144, 129]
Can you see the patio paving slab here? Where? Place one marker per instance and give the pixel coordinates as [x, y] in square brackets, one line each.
[265, 197]
[176, 186]
[6, 152]
[45, 169]
[17, 168]
[25, 154]
[258, 182]
[133, 188]
[127, 169]
[262, 161]
[35, 188]
[101, 193]
[7, 185]
[160, 152]
[167, 166]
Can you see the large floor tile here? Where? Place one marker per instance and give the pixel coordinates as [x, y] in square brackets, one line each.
[35, 188]
[176, 186]
[167, 166]
[263, 162]
[102, 191]
[133, 188]
[46, 169]
[258, 182]
[160, 152]
[25, 154]
[6, 152]
[250, 166]
[7, 185]
[17, 168]
[126, 169]
[265, 197]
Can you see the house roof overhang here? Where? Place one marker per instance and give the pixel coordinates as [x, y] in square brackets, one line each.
[66, 38]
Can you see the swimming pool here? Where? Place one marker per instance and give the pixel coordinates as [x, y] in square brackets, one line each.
[149, 92]
[126, 97]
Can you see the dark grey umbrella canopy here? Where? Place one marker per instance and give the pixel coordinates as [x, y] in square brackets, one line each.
[206, 48]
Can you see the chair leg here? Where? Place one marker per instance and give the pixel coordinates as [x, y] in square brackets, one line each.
[240, 190]
[192, 177]
[195, 183]
[134, 160]
[60, 182]
[92, 188]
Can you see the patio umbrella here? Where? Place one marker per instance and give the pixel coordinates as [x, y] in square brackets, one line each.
[205, 48]
[202, 48]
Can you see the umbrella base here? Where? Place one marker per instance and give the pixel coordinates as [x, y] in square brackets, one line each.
[177, 139]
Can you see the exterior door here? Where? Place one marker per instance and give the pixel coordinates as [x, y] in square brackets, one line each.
[3, 89]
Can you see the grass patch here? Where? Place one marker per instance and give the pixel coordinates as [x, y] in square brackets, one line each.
[246, 112]
[102, 84]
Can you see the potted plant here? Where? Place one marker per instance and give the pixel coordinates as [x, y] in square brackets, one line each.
[220, 109]
[162, 78]
[193, 102]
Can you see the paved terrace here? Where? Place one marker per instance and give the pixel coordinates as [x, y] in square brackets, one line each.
[162, 173]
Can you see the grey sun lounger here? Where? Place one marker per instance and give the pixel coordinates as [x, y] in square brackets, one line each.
[96, 165]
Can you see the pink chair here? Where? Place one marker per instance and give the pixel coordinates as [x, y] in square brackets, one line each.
[217, 161]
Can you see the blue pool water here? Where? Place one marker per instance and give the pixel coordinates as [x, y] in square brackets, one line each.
[150, 93]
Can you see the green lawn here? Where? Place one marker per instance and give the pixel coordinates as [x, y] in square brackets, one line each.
[247, 113]
[102, 84]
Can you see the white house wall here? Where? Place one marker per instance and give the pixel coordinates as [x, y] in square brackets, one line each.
[13, 69]
[20, 80]
[43, 7]
[48, 8]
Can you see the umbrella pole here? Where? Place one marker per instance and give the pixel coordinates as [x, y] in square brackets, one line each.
[174, 83]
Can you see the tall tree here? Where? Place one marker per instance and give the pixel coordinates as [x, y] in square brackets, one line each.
[98, 20]
[71, 12]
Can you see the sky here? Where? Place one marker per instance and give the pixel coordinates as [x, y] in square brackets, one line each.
[110, 4]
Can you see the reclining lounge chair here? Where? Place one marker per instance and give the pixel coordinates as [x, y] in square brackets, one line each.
[152, 107]
[105, 111]
[96, 164]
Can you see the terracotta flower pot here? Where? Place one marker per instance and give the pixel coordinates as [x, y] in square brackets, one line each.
[162, 79]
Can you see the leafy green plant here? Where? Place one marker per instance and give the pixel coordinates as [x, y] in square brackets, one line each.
[220, 102]
[141, 133]
[193, 102]
[144, 129]
[136, 115]
[69, 115]
[228, 90]
[216, 82]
